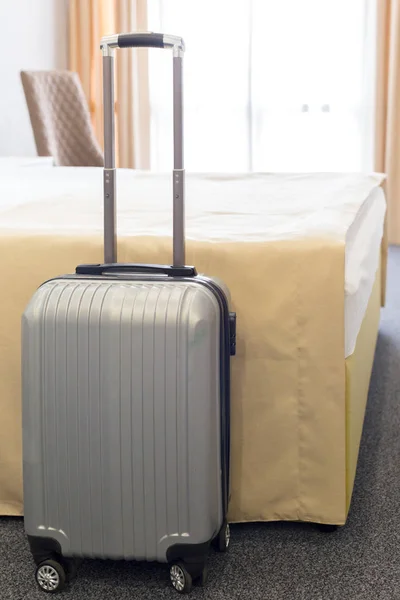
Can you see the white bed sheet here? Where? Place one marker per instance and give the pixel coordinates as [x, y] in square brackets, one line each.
[245, 207]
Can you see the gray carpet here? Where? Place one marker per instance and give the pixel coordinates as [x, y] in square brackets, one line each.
[279, 561]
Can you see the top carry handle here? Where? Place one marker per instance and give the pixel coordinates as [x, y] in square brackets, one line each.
[142, 40]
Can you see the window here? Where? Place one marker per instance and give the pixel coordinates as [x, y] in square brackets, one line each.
[269, 86]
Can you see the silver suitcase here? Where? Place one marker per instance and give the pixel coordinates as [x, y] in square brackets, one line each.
[126, 377]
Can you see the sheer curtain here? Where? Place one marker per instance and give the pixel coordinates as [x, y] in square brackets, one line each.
[269, 86]
[89, 21]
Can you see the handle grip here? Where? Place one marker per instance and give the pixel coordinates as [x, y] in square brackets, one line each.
[141, 40]
[146, 39]
[170, 271]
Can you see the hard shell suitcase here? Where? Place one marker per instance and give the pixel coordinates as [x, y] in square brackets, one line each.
[126, 382]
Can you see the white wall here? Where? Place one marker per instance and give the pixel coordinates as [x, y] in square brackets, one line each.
[34, 35]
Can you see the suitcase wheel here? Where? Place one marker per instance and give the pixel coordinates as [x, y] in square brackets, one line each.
[50, 576]
[180, 578]
[71, 567]
[202, 580]
[222, 541]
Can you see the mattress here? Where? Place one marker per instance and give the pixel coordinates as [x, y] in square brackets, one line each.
[251, 207]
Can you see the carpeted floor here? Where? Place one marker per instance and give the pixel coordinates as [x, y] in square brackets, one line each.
[279, 561]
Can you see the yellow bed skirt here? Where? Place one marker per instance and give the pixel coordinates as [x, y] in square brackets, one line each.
[358, 368]
[290, 460]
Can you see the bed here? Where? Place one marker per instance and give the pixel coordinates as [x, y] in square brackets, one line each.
[301, 255]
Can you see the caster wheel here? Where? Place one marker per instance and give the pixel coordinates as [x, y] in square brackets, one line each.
[180, 578]
[223, 539]
[202, 580]
[50, 576]
[71, 568]
[328, 528]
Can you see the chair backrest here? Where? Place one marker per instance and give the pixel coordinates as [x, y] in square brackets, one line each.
[60, 118]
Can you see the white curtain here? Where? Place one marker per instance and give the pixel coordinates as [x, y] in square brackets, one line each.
[269, 86]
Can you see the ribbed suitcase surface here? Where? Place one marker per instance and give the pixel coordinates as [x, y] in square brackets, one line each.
[121, 388]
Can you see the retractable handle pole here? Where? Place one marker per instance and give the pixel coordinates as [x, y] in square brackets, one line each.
[142, 40]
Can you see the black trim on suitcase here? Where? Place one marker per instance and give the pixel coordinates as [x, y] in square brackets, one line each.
[43, 548]
[225, 386]
[190, 553]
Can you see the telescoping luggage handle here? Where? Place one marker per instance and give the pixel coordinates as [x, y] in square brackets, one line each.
[142, 40]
